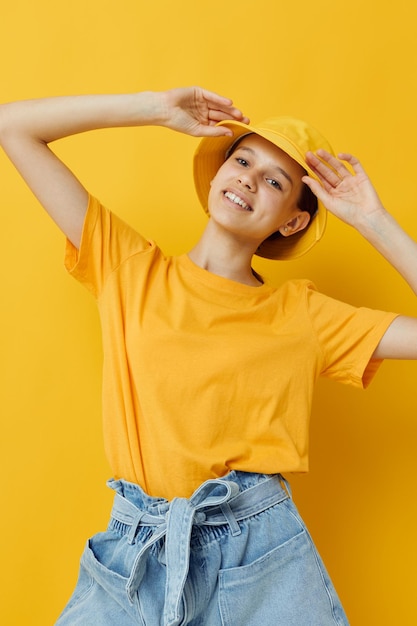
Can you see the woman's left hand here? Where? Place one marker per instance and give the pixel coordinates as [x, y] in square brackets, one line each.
[347, 194]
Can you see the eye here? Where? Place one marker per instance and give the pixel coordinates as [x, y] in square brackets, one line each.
[274, 183]
[242, 161]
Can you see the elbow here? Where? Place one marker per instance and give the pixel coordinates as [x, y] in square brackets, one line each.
[3, 122]
[7, 123]
[14, 127]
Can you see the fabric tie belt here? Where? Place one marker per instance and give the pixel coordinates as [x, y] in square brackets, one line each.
[216, 502]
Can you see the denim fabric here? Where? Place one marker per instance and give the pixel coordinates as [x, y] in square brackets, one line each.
[236, 553]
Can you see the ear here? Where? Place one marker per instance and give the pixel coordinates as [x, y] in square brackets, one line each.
[295, 224]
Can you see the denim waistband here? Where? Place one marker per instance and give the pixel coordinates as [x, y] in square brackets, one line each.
[217, 501]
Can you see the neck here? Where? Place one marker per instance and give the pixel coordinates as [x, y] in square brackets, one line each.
[224, 257]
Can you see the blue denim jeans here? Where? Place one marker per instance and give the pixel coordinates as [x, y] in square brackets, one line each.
[236, 553]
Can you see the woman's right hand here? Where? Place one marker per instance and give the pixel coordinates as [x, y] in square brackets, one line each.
[196, 111]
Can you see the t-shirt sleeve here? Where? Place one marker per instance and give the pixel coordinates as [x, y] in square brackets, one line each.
[106, 243]
[348, 337]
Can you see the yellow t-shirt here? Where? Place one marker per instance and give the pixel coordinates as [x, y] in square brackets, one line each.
[202, 374]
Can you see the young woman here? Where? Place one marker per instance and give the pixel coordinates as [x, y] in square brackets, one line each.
[209, 372]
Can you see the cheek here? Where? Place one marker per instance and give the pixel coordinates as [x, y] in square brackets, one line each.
[276, 204]
[215, 186]
[210, 195]
[279, 210]
[213, 196]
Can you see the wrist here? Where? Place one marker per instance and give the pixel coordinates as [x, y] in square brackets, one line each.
[149, 108]
[380, 229]
[374, 220]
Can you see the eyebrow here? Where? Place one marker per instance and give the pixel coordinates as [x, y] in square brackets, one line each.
[276, 167]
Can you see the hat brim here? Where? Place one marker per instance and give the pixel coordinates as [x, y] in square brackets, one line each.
[211, 154]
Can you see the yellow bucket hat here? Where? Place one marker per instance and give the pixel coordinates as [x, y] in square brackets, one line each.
[294, 137]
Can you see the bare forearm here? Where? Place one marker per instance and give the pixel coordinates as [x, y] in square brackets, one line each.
[400, 250]
[385, 234]
[27, 127]
[50, 119]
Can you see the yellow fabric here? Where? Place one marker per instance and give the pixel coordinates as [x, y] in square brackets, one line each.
[203, 375]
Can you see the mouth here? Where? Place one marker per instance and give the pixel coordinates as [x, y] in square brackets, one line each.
[237, 200]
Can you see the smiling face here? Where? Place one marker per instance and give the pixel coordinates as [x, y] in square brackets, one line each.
[256, 190]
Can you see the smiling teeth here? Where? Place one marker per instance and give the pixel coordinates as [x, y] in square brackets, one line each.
[234, 198]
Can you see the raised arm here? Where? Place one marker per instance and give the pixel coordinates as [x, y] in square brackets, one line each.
[353, 199]
[27, 127]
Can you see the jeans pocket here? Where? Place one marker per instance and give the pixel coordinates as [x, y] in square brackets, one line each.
[111, 552]
[84, 586]
[109, 560]
[284, 586]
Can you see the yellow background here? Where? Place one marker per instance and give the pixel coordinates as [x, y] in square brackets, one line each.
[349, 69]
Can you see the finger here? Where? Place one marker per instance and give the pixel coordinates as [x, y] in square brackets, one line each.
[217, 99]
[353, 161]
[213, 102]
[322, 168]
[331, 170]
[334, 162]
[318, 189]
[210, 130]
[232, 114]
[221, 108]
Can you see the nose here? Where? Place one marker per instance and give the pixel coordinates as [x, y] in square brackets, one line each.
[247, 180]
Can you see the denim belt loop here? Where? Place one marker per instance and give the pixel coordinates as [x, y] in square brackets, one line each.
[231, 520]
[134, 527]
[286, 485]
[176, 526]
